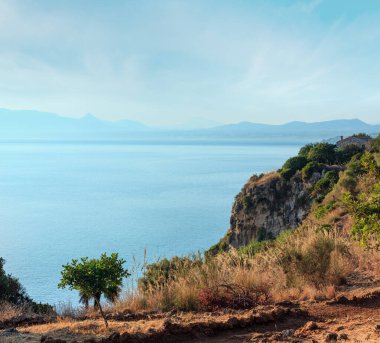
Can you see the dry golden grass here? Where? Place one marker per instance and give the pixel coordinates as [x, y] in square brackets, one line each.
[9, 311]
[307, 264]
[91, 327]
[267, 177]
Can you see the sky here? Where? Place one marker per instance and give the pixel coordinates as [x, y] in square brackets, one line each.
[196, 62]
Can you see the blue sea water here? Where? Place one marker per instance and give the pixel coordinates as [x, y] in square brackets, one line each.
[60, 201]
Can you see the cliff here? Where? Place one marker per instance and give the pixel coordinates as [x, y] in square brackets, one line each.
[266, 206]
[270, 203]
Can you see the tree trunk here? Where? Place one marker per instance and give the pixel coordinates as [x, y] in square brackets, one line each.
[101, 312]
[97, 297]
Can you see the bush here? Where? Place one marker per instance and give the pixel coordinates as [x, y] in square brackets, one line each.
[253, 248]
[345, 154]
[325, 185]
[353, 171]
[295, 163]
[369, 164]
[287, 173]
[312, 262]
[158, 274]
[304, 151]
[11, 290]
[365, 209]
[310, 168]
[322, 153]
[292, 165]
[40, 308]
[322, 210]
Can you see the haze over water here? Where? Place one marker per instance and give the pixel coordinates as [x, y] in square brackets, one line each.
[61, 201]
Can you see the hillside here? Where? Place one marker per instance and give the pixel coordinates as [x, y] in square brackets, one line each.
[271, 203]
[309, 274]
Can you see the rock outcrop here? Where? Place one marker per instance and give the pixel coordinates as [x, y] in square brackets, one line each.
[266, 206]
[269, 204]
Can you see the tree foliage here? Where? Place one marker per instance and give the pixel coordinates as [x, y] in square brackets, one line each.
[11, 289]
[322, 153]
[95, 277]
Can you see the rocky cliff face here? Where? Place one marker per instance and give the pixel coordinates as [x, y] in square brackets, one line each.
[268, 205]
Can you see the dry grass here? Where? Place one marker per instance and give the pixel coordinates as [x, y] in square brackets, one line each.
[9, 311]
[266, 177]
[92, 327]
[307, 264]
[68, 310]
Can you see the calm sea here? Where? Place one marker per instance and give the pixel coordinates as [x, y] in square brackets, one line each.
[60, 201]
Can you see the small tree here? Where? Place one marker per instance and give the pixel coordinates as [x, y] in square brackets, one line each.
[95, 277]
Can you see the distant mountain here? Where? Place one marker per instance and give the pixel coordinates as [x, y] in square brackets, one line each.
[296, 126]
[23, 124]
[298, 129]
[15, 124]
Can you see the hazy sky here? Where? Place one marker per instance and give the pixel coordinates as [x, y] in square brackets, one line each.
[168, 62]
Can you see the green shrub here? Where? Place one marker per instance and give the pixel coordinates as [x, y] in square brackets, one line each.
[312, 263]
[287, 173]
[10, 288]
[324, 228]
[158, 274]
[344, 155]
[295, 163]
[292, 165]
[353, 171]
[369, 164]
[365, 209]
[322, 153]
[310, 168]
[253, 248]
[218, 247]
[304, 151]
[325, 185]
[40, 308]
[322, 210]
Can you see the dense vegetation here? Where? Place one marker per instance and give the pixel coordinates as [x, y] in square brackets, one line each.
[314, 157]
[10, 288]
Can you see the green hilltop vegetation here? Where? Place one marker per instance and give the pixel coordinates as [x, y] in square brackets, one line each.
[339, 235]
